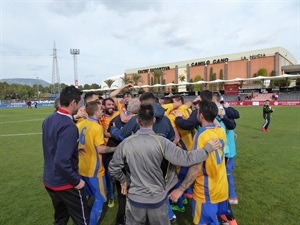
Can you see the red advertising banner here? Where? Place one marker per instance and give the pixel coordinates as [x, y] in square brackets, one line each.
[231, 89]
[261, 103]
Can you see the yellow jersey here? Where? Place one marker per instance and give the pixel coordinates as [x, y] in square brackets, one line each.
[90, 136]
[211, 184]
[186, 136]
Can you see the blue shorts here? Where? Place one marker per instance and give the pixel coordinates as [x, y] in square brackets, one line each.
[96, 187]
[206, 213]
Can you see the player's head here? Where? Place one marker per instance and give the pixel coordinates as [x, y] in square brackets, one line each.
[94, 109]
[178, 98]
[167, 100]
[207, 111]
[133, 105]
[70, 97]
[140, 92]
[145, 115]
[206, 95]
[126, 97]
[147, 98]
[216, 97]
[90, 96]
[109, 106]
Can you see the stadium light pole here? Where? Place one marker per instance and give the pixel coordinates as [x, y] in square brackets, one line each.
[75, 52]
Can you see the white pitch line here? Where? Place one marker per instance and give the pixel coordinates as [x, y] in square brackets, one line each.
[12, 135]
[25, 114]
[20, 121]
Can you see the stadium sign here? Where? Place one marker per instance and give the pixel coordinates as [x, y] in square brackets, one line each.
[254, 56]
[163, 68]
[207, 62]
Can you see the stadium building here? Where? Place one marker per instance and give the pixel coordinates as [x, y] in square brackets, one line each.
[224, 67]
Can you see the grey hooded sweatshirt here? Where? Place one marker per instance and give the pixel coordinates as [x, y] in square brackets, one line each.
[141, 154]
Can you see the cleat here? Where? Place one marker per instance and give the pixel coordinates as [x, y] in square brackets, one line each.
[173, 220]
[176, 208]
[233, 201]
[111, 203]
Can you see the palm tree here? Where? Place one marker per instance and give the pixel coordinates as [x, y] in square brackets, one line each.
[157, 74]
[136, 78]
[109, 82]
[125, 79]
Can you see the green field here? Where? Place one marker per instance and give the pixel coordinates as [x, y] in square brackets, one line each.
[267, 173]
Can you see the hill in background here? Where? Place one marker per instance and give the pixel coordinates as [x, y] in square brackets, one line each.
[25, 81]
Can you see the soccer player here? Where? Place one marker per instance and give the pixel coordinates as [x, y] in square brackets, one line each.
[186, 143]
[210, 194]
[91, 169]
[60, 146]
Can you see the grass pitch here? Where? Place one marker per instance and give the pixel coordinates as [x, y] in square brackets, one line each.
[266, 175]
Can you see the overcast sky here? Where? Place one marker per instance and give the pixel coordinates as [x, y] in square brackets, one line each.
[117, 35]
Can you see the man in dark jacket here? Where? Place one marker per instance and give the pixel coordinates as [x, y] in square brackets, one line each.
[60, 146]
[267, 110]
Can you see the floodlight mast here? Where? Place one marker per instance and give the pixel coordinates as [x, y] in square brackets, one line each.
[75, 52]
[56, 87]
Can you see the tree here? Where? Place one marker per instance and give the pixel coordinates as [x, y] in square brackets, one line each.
[174, 88]
[272, 74]
[189, 87]
[95, 86]
[157, 75]
[221, 85]
[86, 86]
[197, 87]
[126, 79]
[262, 72]
[182, 77]
[281, 83]
[212, 76]
[136, 78]
[109, 82]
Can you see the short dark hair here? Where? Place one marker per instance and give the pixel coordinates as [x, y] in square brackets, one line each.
[217, 96]
[92, 107]
[145, 115]
[69, 94]
[89, 95]
[167, 100]
[178, 98]
[127, 93]
[147, 98]
[206, 95]
[208, 109]
[141, 91]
